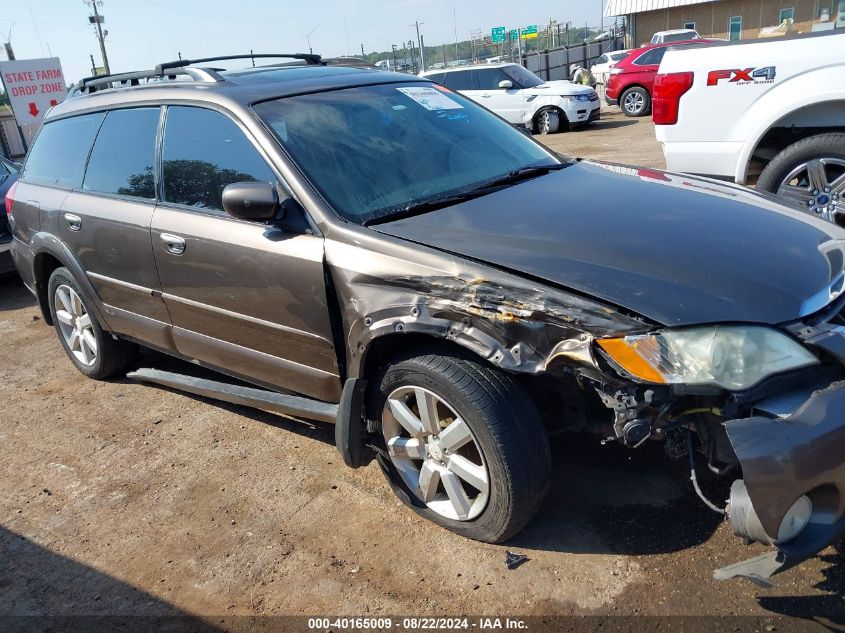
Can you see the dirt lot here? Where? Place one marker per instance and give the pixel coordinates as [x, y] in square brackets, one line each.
[123, 499]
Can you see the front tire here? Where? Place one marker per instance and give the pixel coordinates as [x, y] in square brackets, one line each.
[547, 122]
[463, 444]
[635, 101]
[92, 350]
[810, 175]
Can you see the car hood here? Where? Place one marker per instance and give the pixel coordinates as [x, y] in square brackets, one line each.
[676, 249]
[560, 87]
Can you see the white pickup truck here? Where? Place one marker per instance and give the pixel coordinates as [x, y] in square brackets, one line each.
[770, 111]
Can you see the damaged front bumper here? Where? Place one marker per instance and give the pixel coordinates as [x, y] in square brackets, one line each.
[792, 495]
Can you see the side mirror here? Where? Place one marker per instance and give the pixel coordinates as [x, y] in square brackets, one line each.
[254, 201]
[507, 84]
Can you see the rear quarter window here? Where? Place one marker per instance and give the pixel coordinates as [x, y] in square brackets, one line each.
[61, 150]
[651, 58]
[460, 80]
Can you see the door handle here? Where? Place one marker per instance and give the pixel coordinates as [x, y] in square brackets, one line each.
[173, 243]
[487, 96]
[74, 222]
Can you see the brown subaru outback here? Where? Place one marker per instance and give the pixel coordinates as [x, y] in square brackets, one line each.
[372, 249]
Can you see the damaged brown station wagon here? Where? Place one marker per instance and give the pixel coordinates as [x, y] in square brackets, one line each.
[371, 249]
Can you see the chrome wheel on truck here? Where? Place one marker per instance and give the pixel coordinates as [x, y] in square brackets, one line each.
[817, 186]
[810, 175]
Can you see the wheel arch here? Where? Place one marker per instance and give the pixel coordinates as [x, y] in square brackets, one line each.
[788, 124]
[50, 253]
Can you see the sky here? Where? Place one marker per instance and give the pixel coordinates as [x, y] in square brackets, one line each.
[144, 32]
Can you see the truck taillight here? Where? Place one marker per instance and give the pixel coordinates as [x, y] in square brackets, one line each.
[668, 90]
[10, 198]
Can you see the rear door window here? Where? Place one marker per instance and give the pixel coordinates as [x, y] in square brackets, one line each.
[61, 150]
[124, 154]
[460, 80]
[203, 151]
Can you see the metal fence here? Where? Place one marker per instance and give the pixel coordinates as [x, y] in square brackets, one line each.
[555, 63]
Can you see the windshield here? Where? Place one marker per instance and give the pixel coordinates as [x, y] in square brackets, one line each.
[522, 77]
[373, 151]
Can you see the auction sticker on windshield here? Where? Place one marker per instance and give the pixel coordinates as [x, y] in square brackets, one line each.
[431, 99]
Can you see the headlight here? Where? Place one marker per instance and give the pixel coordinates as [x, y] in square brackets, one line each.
[577, 97]
[732, 357]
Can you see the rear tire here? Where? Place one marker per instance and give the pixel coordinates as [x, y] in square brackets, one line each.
[91, 349]
[635, 101]
[812, 169]
[502, 449]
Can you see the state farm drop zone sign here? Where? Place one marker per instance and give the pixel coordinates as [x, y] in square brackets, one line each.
[33, 86]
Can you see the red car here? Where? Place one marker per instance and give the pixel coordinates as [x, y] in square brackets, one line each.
[630, 83]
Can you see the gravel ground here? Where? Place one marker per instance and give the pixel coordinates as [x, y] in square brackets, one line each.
[123, 499]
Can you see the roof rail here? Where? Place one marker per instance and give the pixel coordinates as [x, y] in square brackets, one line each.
[90, 85]
[171, 70]
[311, 58]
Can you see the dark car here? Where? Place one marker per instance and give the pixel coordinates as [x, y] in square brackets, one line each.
[8, 177]
[630, 83]
[374, 250]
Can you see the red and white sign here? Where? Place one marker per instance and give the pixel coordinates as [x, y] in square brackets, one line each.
[33, 86]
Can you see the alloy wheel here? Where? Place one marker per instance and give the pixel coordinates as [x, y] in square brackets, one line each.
[817, 186]
[544, 122]
[634, 102]
[435, 453]
[75, 325]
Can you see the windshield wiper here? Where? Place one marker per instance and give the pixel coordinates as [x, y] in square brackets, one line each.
[491, 186]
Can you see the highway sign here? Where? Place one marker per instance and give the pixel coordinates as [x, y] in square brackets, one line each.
[498, 34]
[33, 86]
[529, 32]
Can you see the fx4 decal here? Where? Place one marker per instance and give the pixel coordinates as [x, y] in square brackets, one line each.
[742, 75]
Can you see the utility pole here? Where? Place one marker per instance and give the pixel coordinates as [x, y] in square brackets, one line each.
[10, 54]
[93, 65]
[455, 21]
[419, 43]
[363, 56]
[98, 20]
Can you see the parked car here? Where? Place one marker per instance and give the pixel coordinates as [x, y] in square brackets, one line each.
[520, 97]
[8, 177]
[374, 250]
[674, 35]
[605, 62]
[781, 118]
[631, 80]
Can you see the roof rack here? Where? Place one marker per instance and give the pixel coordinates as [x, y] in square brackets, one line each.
[170, 70]
[311, 58]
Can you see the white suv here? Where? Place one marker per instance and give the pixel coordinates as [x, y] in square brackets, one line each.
[520, 97]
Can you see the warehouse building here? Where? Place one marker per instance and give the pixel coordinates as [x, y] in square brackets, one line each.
[726, 19]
